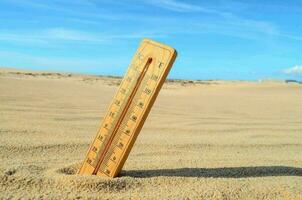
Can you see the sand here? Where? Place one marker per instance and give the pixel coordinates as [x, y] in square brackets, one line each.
[202, 139]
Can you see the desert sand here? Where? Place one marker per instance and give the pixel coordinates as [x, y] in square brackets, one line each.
[202, 139]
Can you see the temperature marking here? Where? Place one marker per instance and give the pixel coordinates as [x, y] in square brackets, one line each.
[129, 109]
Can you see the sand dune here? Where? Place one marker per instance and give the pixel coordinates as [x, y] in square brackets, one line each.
[202, 139]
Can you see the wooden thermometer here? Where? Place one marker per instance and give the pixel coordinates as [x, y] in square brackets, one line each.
[129, 109]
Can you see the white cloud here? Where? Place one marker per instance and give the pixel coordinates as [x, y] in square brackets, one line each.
[178, 6]
[223, 21]
[296, 70]
[50, 37]
[102, 65]
[185, 7]
[61, 35]
[69, 34]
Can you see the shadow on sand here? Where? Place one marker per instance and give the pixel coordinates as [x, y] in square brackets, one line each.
[227, 172]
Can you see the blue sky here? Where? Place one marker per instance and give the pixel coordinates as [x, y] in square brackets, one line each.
[217, 39]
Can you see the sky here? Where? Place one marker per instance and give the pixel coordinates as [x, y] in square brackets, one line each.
[217, 39]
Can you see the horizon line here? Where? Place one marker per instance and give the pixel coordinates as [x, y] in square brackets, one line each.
[168, 79]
